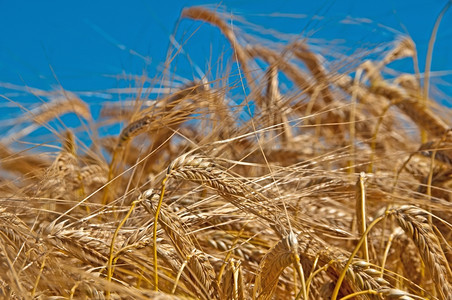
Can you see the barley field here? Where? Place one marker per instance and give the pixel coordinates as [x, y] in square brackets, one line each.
[289, 170]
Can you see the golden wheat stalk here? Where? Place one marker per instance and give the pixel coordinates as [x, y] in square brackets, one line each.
[361, 216]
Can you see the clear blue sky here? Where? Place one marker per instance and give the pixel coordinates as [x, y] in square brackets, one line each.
[84, 40]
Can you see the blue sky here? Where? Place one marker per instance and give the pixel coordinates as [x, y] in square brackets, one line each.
[82, 44]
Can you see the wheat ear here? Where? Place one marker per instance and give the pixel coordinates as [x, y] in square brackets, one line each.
[284, 253]
[301, 51]
[200, 13]
[198, 265]
[416, 111]
[68, 102]
[133, 129]
[414, 221]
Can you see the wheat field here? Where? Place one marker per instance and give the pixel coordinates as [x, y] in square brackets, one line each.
[290, 171]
